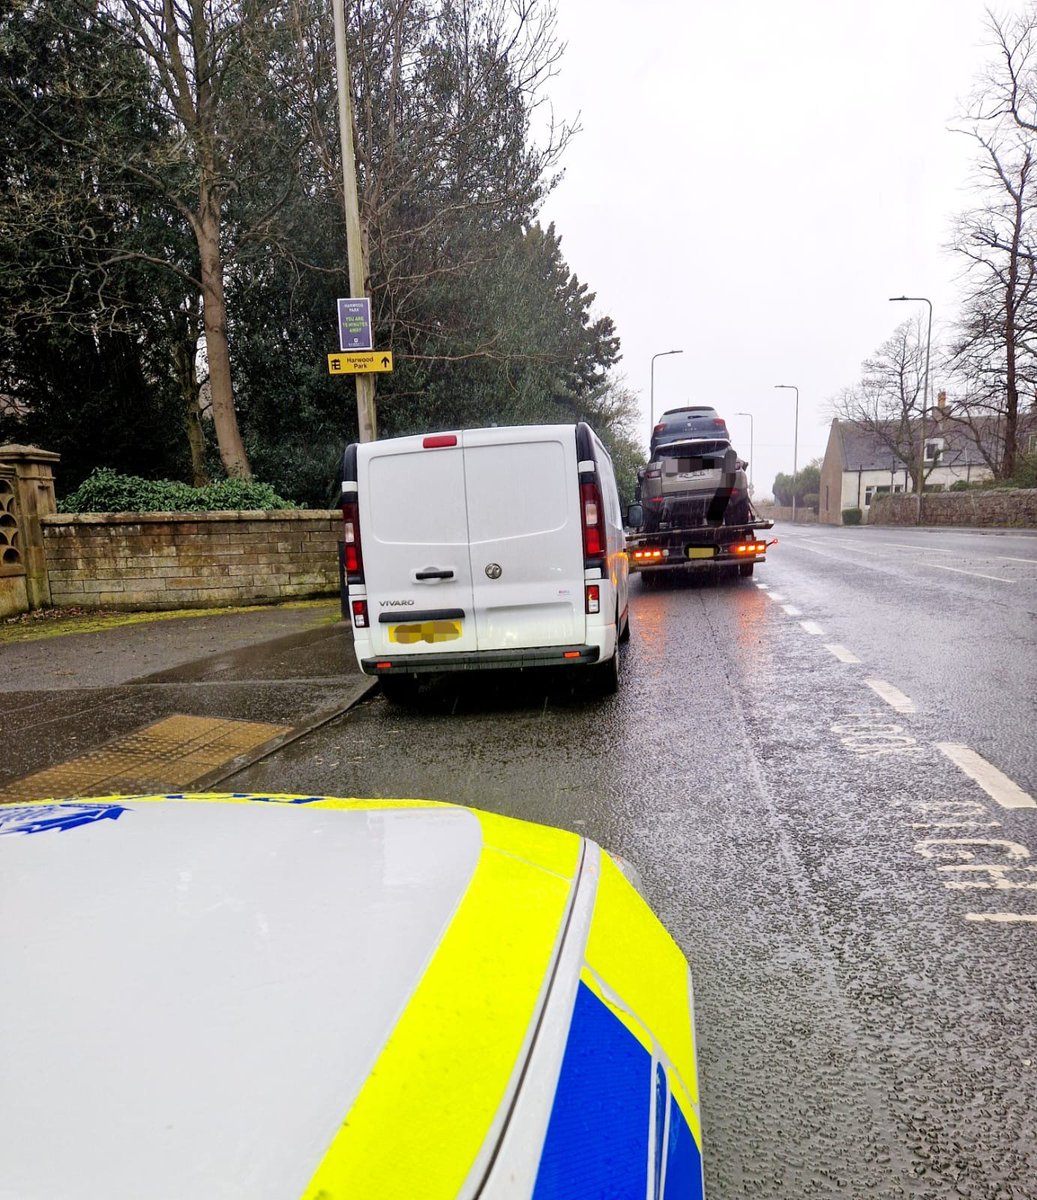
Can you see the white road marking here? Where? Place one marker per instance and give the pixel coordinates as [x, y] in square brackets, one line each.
[775, 597]
[976, 574]
[1007, 558]
[813, 627]
[995, 783]
[764, 587]
[841, 653]
[916, 546]
[792, 610]
[894, 697]
[1003, 918]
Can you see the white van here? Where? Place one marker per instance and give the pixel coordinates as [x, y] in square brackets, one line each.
[485, 548]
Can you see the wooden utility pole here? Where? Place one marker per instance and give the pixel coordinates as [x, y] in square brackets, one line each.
[367, 421]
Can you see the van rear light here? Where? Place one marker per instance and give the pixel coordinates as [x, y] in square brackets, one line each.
[354, 559]
[360, 614]
[593, 598]
[591, 511]
[436, 440]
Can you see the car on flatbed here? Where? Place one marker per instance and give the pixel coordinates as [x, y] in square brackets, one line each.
[693, 421]
[694, 481]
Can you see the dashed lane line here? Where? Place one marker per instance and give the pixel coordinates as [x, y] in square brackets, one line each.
[894, 697]
[792, 610]
[995, 783]
[841, 653]
[974, 574]
[813, 628]
[775, 597]
[1004, 918]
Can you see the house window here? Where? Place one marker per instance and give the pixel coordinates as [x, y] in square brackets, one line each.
[934, 450]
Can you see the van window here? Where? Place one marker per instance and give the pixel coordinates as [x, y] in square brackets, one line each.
[420, 498]
[517, 489]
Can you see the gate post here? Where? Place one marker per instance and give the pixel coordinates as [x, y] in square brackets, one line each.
[26, 494]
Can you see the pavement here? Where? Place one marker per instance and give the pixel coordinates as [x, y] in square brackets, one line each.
[160, 702]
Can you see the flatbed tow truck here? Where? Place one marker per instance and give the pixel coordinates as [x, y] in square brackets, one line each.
[713, 545]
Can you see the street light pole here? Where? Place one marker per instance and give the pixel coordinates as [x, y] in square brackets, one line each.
[925, 394]
[750, 416]
[661, 354]
[791, 387]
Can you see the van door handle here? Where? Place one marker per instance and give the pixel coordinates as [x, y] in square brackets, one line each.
[433, 574]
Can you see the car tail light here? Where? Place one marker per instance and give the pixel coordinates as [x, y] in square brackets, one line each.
[360, 614]
[659, 428]
[593, 598]
[592, 514]
[354, 559]
[653, 472]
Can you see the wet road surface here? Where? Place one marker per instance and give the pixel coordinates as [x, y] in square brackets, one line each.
[860, 914]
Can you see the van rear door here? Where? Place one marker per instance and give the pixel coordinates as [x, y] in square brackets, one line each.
[526, 539]
[415, 545]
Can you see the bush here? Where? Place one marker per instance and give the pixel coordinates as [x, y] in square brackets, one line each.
[1025, 471]
[106, 490]
[852, 516]
[960, 485]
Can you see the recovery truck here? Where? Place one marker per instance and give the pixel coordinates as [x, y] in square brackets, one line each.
[734, 548]
[694, 512]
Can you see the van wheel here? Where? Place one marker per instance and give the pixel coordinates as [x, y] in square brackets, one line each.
[745, 569]
[399, 689]
[604, 677]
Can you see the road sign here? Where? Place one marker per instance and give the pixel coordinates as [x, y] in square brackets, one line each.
[354, 324]
[359, 364]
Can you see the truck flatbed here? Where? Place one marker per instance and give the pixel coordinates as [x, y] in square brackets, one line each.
[721, 547]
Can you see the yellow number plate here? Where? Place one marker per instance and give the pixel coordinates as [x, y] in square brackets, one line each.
[701, 552]
[425, 631]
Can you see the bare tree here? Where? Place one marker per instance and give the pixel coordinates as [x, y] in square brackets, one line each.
[995, 349]
[888, 401]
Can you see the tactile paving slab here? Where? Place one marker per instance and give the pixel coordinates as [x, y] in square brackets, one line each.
[166, 756]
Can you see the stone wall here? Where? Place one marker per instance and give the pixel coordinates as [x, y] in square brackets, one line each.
[1015, 508]
[190, 560]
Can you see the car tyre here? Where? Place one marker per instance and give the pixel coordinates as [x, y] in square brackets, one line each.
[745, 569]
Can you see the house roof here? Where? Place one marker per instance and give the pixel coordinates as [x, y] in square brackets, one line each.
[863, 449]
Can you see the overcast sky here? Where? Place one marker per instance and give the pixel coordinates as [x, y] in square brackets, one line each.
[752, 181]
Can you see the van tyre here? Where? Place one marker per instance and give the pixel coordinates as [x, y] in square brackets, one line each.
[745, 569]
[399, 689]
[604, 679]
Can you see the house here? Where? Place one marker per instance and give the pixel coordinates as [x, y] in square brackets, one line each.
[859, 464]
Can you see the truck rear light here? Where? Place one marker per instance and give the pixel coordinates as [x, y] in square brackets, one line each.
[593, 598]
[591, 514]
[650, 554]
[360, 614]
[437, 440]
[354, 559]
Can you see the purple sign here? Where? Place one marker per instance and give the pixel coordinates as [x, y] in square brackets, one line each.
[354, 325]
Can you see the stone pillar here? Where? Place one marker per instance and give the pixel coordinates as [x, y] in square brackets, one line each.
[26, 493]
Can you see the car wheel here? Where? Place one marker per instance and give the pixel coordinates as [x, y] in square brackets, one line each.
[745, 569]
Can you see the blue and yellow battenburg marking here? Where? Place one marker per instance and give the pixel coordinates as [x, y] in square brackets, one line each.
[442, 1082]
